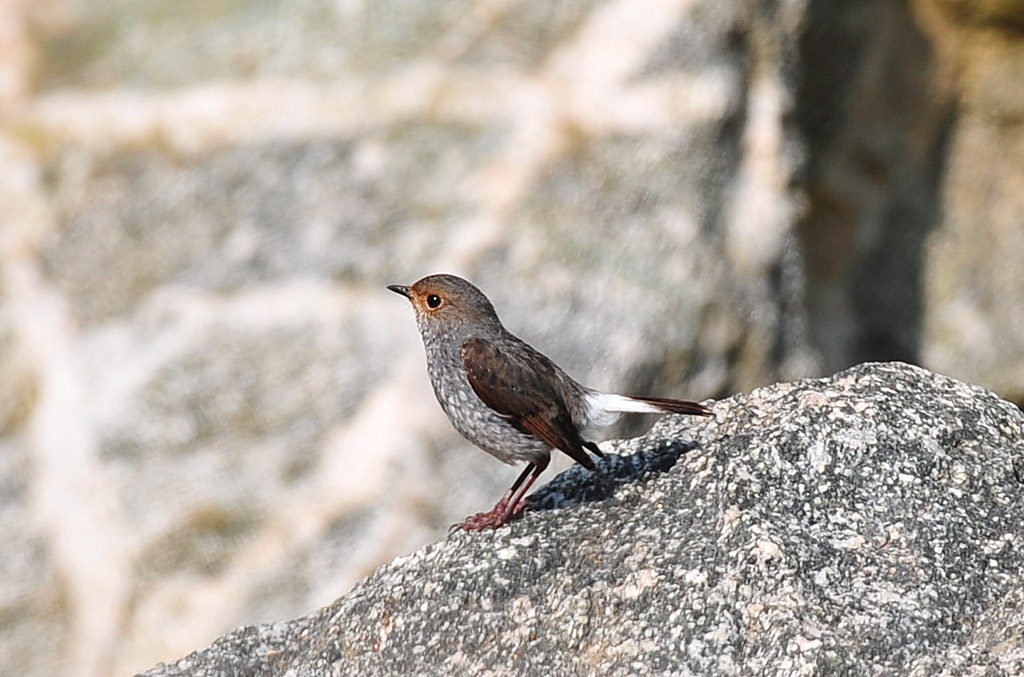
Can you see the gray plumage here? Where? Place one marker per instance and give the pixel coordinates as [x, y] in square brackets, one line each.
[503, 395]
[474, 420]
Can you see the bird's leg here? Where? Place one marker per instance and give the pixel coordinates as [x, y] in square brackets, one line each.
[518, 500]
[511, 504]
[499, 514]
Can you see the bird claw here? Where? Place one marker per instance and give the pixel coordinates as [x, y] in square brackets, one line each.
[483, 520]
[492, 519]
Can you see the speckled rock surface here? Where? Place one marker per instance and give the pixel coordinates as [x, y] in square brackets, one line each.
[869, 523]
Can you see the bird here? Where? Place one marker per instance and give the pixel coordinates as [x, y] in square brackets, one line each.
[505, 396]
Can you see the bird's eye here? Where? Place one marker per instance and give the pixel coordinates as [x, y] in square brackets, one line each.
[433, 301]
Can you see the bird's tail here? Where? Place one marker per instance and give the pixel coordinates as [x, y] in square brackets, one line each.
[663, 405]
[656, 406]
[606, 407]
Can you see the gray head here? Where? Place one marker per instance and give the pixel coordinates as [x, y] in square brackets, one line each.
[447, 305]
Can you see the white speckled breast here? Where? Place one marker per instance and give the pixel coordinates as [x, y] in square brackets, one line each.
[474, 420]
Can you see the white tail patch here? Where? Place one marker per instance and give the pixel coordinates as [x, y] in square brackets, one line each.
[603, 409]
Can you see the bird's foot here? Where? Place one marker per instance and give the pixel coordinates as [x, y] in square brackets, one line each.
[510, 505]
[484, 520]
[491, 519]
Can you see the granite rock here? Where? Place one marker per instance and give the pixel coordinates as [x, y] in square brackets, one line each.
[866, 523]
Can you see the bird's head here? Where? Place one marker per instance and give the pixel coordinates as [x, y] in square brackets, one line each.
[449, 304]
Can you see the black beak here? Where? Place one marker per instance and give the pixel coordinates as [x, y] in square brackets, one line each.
[400, 289]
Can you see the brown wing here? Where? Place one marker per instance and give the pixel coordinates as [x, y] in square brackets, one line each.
[518, 384]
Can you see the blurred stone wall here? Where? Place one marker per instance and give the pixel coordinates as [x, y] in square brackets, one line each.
[914, 232]
[211, 411]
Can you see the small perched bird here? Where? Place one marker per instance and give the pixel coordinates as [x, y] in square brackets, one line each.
[504, 396]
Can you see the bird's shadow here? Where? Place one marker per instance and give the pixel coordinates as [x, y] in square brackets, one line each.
[578, 485]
